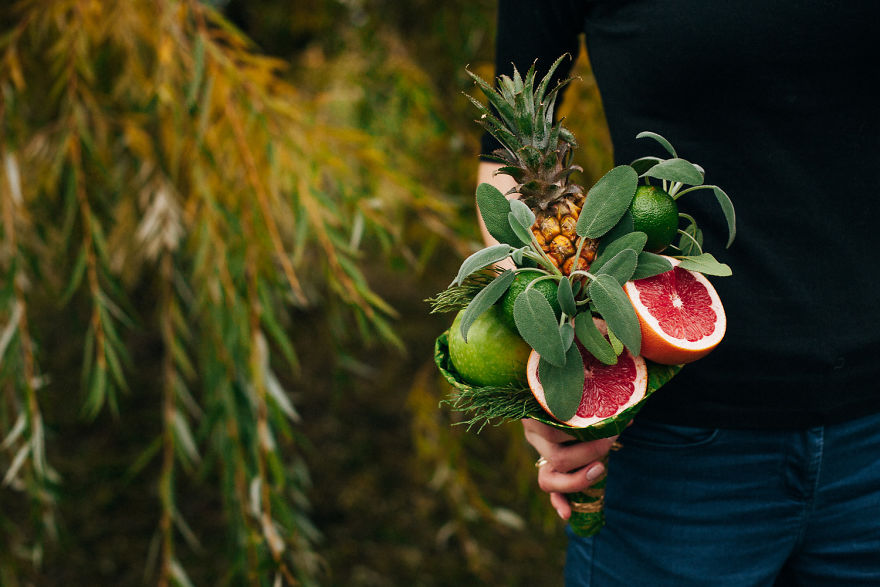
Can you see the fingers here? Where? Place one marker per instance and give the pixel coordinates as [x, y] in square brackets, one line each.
[561, 505]
[553, 481]
[565, 458]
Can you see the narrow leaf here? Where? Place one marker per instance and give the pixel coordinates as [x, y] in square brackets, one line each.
[563, 385]
[607, 201]
[482, 258]
[494, 208]
[651, 264]
[484, 300]
[536, 323]
[523, 234]
[523, 214]
[676, 170]
[566, 331]
[616, 345]
[589, 336]
[691, 241]
[615, 308]
[706, 264]
[652, 135]
[565, 296]
[729, 213]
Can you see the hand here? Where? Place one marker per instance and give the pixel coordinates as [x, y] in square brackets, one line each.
[571, 466]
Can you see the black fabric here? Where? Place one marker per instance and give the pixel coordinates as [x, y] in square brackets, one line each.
[776, 101]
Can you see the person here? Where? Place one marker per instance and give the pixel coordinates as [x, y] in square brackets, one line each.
[760, 463]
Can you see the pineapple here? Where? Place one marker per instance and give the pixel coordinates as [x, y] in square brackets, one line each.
[536, 153]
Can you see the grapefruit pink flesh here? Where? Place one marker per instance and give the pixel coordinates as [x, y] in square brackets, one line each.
[680, 315]
[608, 389]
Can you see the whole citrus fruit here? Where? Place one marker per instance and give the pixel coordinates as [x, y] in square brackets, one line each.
[494, 355]
[680, 315]
[547, 288]
[608, 389]
[655, 213]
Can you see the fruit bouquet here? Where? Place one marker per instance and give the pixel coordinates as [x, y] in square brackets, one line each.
[574, 318]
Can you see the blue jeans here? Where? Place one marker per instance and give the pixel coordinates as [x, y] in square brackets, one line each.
[702, 507]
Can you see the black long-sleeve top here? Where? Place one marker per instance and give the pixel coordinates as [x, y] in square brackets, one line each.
[775, 100]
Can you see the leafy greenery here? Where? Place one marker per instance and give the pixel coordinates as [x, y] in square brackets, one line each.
[162, 178]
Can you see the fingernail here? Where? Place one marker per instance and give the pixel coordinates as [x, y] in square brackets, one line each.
[595, 472]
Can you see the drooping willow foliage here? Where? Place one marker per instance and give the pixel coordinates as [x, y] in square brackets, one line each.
[148, 151]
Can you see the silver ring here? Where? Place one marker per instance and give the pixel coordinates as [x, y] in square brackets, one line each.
[541, 462]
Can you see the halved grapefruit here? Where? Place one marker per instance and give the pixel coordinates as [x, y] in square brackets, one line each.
[680, 315]
[608, 389]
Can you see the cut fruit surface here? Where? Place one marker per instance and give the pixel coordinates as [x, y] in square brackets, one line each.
[608, 389]
[680, 315]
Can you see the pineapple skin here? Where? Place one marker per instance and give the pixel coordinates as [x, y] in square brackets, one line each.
[554, 231]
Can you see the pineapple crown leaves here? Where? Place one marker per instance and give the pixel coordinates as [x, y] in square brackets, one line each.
[524, 111]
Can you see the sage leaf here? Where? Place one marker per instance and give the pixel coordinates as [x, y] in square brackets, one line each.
[485, 299]
[729, 213]
[691, 241]
[523, 214]
[536, 323]
[523, 234]
[563, 385]
[616, 345]
[652, 135]
[621, 266]
[517, 255]
[706, 264]
[494, 208]
[643, 164]
[565, 296]
[589, 336]
[677, 170]
[615, 308]
[623, 227]
[607, 201]
[633, 240]
[566, 331]
[650, 265]
[482, 258]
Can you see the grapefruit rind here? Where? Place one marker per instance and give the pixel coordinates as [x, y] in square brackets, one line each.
[663, 348]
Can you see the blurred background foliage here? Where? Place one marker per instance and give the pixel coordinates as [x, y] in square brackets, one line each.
[219, 224]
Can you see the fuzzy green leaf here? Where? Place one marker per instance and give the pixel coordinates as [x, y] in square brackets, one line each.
[536, 323]
[589, 336]
[729, 213]
[566, 331]
[706, 264]
[633, 240]
[621, 266]
[607, 201]
[677, 170]
[484, 300]
[565, 296]
[494, 208]
[523, 234]
[482, 258]
[691, 241]
[615, 308]
[650, 265]
[563, 385]
[652, 135]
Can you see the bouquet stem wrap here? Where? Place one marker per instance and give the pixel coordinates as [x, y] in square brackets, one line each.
[515, 404]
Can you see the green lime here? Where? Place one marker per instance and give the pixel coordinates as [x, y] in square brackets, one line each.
[547, 288]
[655, 213]
[494, 355]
